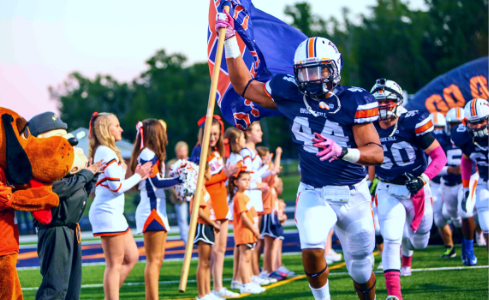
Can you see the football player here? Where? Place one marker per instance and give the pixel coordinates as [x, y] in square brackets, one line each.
[332, 130]
[403, 193]
[472, 138]
[446, 190]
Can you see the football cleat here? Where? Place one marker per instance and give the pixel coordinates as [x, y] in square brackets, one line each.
[449, 252]
[391, 298]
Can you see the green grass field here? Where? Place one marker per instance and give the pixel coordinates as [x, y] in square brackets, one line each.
[427, 284]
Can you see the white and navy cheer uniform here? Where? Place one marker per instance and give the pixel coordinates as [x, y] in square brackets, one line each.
[330, 193]
[233, 159]
[254, 164]
[477, 150]
[106, 213]
[151, 211]
[403, 145]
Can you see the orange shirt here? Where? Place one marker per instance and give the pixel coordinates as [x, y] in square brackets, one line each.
[205, 203]
[9, 230]
[242, 234]
[270, 196]
[216, 185]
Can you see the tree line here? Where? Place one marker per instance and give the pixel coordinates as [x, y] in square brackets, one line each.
[390, 40]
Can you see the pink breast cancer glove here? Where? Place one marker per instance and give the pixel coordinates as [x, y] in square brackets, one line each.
[224, 20]
[331, 149]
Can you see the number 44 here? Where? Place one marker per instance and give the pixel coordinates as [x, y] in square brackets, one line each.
[331, 130]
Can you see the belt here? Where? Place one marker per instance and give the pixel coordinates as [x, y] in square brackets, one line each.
[75, 227]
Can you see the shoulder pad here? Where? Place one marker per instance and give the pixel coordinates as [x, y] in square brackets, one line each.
[364, 105]
[420, 122]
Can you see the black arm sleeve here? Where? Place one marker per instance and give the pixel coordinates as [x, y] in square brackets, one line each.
[425, 140]
[67, 186]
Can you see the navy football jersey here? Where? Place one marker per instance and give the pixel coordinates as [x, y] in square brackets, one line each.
[476, 149]
[402, 150]
[357, 106]
[454, 158]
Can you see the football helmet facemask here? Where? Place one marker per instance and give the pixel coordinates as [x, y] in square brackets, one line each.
[389, 95]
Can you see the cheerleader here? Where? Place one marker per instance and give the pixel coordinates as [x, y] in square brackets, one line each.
[151, 217]
[106, 213]
[217, 190]
[234, 141]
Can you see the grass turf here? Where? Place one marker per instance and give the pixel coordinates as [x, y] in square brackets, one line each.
[446, 284]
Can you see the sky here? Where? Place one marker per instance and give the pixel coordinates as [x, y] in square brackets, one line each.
[41, 42]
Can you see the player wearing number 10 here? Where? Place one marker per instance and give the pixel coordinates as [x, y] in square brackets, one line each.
[403, 193]
[333, 189]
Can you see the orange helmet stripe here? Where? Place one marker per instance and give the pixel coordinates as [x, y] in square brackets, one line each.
[473, 108]
[310, 47]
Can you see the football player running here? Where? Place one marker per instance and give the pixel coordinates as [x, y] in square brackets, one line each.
[472, 138]
[403, 193]
[333, 133]
[446, 186]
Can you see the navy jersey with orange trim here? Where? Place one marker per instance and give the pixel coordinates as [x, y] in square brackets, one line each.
[402, 149]
[357, 106]
[475, 148]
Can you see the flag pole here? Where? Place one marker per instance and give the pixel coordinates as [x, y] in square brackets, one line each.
[203, 158]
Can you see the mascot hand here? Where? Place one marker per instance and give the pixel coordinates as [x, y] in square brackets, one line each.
[33, 199]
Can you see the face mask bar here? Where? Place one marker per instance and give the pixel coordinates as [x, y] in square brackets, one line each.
[480, 132]
[310, 79]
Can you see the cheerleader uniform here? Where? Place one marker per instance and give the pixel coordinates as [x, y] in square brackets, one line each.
[106, 212]
[255, 165]
[204, 231]
[242, 234]
[233, 159]
[151, 211]
[216, 186]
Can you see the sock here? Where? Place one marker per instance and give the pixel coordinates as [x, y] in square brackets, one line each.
[393, 283]
[321, 293]
[468, 245]
[406, 261]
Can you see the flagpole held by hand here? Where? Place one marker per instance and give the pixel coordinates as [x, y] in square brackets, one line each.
[203, 158]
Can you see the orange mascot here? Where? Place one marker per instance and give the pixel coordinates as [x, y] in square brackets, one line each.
[28, 166]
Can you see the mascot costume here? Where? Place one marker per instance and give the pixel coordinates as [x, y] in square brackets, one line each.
[28, 166]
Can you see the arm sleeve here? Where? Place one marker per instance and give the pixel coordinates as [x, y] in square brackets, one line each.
[261, 173]
[466, 170]
[67, 186]
[438, 161]
[219, 177]
[115, 183]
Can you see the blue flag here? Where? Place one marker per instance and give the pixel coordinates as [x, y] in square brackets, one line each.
[454, 88]
[267, 46]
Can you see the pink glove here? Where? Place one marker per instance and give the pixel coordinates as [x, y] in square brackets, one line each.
[331, 150]
[224, 20]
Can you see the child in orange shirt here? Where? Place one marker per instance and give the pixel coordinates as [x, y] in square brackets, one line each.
[204, 238]
[245, 228]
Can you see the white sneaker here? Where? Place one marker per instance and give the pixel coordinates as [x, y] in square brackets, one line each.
[236, 285]
[260, 287]
[335, 256]
[215, 295]
[264, 275]
[206, 297]
[405, 271]
[284, 270]
[224, 292]
[251, 289]
[380, 267]
[480, 240]
[259, 281]
[329, 260]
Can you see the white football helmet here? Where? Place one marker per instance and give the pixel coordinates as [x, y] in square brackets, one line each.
[454, 117]
[390, 92]
[311, 60]
[439, 120]
[475, 113]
